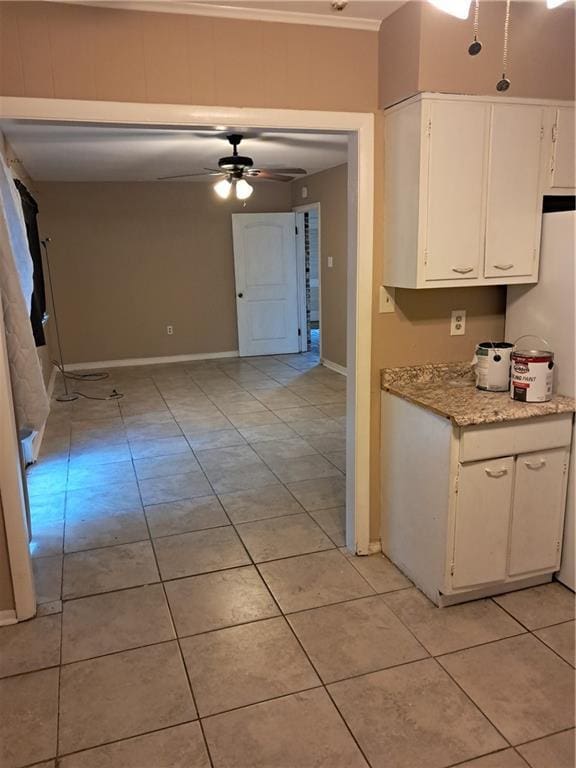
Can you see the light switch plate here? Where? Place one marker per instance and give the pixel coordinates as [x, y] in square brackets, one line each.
[330, 261]
[458, 322]
[387, 300]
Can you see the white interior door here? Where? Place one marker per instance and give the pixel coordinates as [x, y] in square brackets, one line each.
[266, 283]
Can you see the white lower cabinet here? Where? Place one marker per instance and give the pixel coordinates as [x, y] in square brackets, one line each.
[472, 511]
[538, 511]
[508, 519]
[482, 522]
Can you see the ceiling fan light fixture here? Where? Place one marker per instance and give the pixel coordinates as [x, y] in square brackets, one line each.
[222, 188]
[458, 8]
[554, 3]
[243, 189]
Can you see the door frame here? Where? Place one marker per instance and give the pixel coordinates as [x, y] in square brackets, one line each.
[359, 127]
[301, 267]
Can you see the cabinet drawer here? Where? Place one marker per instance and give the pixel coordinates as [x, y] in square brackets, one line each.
[487, 441]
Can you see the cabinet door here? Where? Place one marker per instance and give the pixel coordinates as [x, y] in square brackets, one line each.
[563, 159]
[457, 145]
[538, 511]
[482, 522]
[514, 197]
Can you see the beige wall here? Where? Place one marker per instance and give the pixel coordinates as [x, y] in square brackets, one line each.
[424, 49]
[330, 189]
[129, 259]
[74, 52]
[64, 51]
[6, 591]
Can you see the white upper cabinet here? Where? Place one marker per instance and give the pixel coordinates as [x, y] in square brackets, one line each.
[455, 191]
[563, 161]
[514, 199]
[464, 179]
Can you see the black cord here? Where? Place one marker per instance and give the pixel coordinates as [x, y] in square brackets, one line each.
[114, 395]
[99, 376]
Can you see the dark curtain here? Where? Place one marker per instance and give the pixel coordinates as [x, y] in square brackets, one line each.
[38, 306]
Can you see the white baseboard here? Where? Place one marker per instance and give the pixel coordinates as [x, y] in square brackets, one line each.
[374, 547]
[134, 361]
[7, 617]
[334, 367]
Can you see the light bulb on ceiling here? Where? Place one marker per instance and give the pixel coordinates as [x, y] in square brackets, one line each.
[222, 188]
[243, 189]
[458, 8]
[554, 3]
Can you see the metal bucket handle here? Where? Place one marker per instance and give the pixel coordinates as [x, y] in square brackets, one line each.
[532, 336]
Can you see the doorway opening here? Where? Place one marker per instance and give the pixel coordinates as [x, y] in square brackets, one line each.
[359, 130]
[309, 265]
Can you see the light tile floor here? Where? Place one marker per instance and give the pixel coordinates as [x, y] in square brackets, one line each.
[197, 607]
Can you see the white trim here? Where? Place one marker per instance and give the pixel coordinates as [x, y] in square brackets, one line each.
[135, 361]
[360, 127]
[374, 547]
[224, 11]
[13, 499]
[334, 366]
[302, 209]
[439, 96]
[8, 617]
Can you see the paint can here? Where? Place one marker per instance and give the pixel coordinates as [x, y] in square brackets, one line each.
[492, 364]
[532, 373]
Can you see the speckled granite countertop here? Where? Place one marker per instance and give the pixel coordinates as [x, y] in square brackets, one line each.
[449, 390]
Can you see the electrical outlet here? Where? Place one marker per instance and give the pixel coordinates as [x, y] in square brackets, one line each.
[387, 299]
[458, 322]
[169, 330]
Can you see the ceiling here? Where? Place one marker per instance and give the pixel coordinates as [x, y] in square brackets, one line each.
[359, 14]
[57, 152]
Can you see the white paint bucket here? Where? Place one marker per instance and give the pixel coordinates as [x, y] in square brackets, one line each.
[532, 373]
[492, 362]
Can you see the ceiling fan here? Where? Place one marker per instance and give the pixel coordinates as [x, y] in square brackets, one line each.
[236, 169]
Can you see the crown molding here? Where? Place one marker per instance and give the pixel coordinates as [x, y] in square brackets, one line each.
[223, 11]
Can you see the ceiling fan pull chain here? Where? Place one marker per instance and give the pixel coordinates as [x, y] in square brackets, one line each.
[504, 83]
[475, 46]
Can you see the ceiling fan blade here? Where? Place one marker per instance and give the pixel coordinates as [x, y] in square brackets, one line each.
[291, 171]
[262, 175]
[207, 172]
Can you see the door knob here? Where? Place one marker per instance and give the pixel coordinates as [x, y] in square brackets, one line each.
[240, 295]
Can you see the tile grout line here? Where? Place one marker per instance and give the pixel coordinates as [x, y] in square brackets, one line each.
[173, 626]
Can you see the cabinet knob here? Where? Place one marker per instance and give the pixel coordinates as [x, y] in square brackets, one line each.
[240, 295]
[503, 266]
[462, 270]
[535, 464]
[496, 472]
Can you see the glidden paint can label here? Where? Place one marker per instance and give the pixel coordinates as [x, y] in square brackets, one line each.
[532, 376]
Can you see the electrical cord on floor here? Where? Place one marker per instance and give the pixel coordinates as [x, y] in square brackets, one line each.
[114, 395]
[96, 376]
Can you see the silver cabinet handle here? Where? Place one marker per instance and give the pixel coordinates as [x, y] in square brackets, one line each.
[503, 266]
[462, 270]
[535, 465]
[496, 472]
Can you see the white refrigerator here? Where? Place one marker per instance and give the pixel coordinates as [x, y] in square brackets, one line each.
[547, 310]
